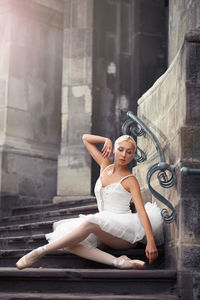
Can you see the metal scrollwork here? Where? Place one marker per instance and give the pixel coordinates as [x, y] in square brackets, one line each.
[166, 175]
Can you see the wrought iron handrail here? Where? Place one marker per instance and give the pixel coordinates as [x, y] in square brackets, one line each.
[190, 171]
[165, 180]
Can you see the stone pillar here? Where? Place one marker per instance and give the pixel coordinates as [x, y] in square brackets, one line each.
[74, 174]
[189, 211]
[30, 93]
[184, 15]
[171, 110]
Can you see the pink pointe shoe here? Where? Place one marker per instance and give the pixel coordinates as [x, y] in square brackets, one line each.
[31, 258]
[123, 262]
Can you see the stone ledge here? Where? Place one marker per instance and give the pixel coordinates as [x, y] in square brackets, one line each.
[193, 36]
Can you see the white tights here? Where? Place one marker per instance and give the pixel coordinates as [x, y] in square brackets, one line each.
[71, 242]
[94, 254]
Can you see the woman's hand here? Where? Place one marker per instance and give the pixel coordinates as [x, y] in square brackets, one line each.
[107, 149]
[151, 251]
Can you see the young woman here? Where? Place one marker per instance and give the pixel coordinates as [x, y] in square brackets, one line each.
[114, 226]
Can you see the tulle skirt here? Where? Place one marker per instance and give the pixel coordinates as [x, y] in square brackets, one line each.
[125, 226]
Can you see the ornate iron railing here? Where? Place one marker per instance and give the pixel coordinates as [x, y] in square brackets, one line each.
[166, 174]
[190, 171]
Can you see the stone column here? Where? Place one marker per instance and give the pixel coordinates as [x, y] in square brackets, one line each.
[171, 110]
[30, 93]
[74, 171]
[188, 245]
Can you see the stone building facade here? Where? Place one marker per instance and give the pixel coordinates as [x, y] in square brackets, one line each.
[31, 37]
[67, 68]
[170, 108]
[73, 66]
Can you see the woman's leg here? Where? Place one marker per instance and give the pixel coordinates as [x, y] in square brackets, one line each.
[81, 232]
[94, 254]
[71, 240]
[122, 262]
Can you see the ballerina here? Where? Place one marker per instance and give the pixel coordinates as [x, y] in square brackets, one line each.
[114, 226]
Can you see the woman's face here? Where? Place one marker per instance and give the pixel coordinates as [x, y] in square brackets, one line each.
[124, 152]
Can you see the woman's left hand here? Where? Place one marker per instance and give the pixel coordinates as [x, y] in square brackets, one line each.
[107, 148]
[151, 251]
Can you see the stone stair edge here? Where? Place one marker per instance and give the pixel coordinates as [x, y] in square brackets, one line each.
[26, 225]
[162, 274]
[65, 203]
[76, 296]
[16, 252]
[49, 213]
[24, 237]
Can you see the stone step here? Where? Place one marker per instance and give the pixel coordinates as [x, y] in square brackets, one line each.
[15, 246]
[26, 229]
[64, 259]
[49, 215]
[97, 281]
[22, 242]
[75, 296]
[53, 206]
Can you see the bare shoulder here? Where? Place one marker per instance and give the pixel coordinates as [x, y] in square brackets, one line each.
[131, 183]
[105, 164]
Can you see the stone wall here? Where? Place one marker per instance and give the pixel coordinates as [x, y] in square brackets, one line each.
[184, 15]
[30, 100]
[171, 110]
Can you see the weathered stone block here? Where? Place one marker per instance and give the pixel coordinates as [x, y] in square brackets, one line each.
[19, 177]
[190, 143]
[77, 70]
[77, 129]
[2, 125]
[171, 257]
[190, 256]
[185, 279]
[82, 11]
[9, 183]
[17, 94]
[184, 16]
[193, 56]
[19, 124]
[196, 285]
[190, 217]
[193, 99]
[74, 172]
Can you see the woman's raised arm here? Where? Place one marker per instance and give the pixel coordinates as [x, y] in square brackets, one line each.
[102, 158]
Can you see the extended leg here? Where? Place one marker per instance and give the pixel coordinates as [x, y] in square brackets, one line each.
[94, 254]
[71, 240]
[98, 255]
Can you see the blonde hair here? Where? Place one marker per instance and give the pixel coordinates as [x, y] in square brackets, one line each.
[126, 138]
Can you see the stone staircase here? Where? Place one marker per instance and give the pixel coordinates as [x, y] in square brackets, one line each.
[61, 275]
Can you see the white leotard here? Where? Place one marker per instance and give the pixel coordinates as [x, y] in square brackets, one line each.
[114, 217]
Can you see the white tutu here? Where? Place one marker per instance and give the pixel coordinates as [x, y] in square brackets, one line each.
[126, 226]
[114, 217]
